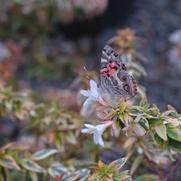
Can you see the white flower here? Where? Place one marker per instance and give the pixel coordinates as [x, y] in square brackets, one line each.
[97, 131]
[175, 37]
[92, 94]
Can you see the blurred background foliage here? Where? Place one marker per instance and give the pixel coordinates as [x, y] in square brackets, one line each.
[49, 50]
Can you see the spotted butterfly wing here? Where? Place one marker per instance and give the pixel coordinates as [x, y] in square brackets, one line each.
[115, 81]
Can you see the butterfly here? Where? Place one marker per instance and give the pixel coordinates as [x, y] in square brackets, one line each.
[115, 81]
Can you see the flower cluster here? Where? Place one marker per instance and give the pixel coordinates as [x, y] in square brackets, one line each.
[135, 121]
[103, 108]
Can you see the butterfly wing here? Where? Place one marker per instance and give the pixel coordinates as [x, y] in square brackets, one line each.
[115, 80]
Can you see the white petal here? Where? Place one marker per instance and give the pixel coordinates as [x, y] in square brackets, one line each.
[87, 103]
[99, 139]
[101, 128]
[93, 84]
[95, 137]
[87, 108]
[93, 89]
[85, 93]
[87, 130]
[89, 126]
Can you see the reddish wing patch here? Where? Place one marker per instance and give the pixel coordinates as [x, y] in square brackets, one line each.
[115, 79]
[110, 69]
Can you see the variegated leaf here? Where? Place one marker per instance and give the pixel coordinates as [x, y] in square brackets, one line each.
[32, 166]
[42, 154]
[57, 169]
[174, 133]
[9, 162]
[161, 131]
[120, 162]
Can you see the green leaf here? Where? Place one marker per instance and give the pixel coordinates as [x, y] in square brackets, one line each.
[71, 177]
[120, 162]
[134, 111]
[80, 175]
[144, 123]
[124, 175]
[70, 138]
[9, 162]
[154, 121]
[147, 177]
[83, 173]
[32, 166]
[174, 133]
[42, 154]
[174, 144]
[161, 131]
[56, 169]
[159, 141]
[136, 164]
[123, 116]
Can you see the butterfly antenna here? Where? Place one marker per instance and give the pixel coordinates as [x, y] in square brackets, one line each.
[87, 73]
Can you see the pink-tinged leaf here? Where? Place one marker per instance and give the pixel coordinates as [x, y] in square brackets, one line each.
[139, 130]
[9, 162]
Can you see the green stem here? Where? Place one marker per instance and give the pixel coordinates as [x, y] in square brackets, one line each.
[5, 174]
